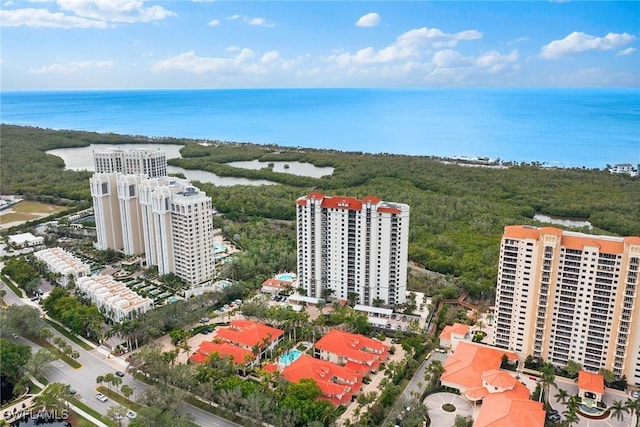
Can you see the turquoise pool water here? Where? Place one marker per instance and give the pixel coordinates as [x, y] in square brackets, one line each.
[285, 277]
[289, 357]
[219, 248]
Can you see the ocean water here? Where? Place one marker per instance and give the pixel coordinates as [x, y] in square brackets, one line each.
[558, 127]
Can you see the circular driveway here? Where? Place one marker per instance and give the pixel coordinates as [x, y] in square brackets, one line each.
[440, 417]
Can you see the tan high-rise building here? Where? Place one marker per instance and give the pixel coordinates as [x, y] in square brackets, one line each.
[106, 209]
[570, 296]
[131, 213]
[141, 161]
[353, 248]
[167, 219]
[178, 229]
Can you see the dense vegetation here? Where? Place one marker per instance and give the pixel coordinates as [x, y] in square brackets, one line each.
[457, 213]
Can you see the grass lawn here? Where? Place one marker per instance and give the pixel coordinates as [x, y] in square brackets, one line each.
[28, 211]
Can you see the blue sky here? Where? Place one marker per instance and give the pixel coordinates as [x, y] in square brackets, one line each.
[83, 44]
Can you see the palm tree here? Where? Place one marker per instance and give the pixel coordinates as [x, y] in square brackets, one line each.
[633, 407]
[618, 410]
[548, 379]
[571, 417]
[561, 396]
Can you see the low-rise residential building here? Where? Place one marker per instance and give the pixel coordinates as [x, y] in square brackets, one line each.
[338, 384]
[452, 334]
[26, 240]
[61, 262]
[253, 336]
[474, 370]
[113, 298]
[275, 286]
[238, 355]
[590, 387]
[355, 351]
[624, 168]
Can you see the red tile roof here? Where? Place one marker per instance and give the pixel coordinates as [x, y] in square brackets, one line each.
[355, 347]
[508, 410]
[456, 328]
[570, 241]
[590, 382]
[270, 367]
[470, 361]
[249, 334]
[337, 383]
[239, 355]
[498, 378]
[276, 283]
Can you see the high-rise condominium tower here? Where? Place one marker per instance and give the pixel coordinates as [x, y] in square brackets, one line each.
[166, 218]
[152, 163]
[570, 296]
[353, 248]
[178, 224]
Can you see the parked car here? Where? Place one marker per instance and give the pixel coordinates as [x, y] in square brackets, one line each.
[131, 414]
[555, 417]
[101, 397]
[120, 374]
[635, 394]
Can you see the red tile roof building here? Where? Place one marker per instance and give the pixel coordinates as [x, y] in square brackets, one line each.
[451, 334]
[354, 351]
[474, 369]
[250, 335]
[335, 231]
[590, 385]
[239, 356]
[338, 384]
[555, 288]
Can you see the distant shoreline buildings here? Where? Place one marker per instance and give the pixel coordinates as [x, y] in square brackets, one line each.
[570, 296]
[138, 209]
[352, 249]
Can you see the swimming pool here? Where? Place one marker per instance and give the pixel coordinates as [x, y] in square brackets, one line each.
[219, 248]
[286, 277]
[289, 357]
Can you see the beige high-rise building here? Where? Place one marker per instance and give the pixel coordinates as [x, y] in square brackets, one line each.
[141, 161]
[106, 209]
[131, 213]
[570, 296]
[138, 209]
[353, 247]
[178, 225]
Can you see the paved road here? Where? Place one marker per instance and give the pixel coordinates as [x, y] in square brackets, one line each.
[412, 387]
[95, 363]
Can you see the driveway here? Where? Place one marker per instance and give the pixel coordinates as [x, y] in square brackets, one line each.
[440, 417]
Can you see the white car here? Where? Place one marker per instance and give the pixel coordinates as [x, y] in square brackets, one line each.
[101, 397]
[131, 414]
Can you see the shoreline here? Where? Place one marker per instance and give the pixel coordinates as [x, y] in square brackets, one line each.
[552, 128]
[469, 161]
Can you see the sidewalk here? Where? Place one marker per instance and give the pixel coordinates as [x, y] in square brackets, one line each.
[22, 408]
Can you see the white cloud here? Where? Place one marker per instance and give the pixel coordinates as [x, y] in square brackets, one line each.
[257, 21]
[369, 20]
[518, 40]
[124, 11]
[42, 18]
[577, 42]
[412, 44]
[625, 52]
[214, 23]
[69, 68]
[84, 14]
[243, 61]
